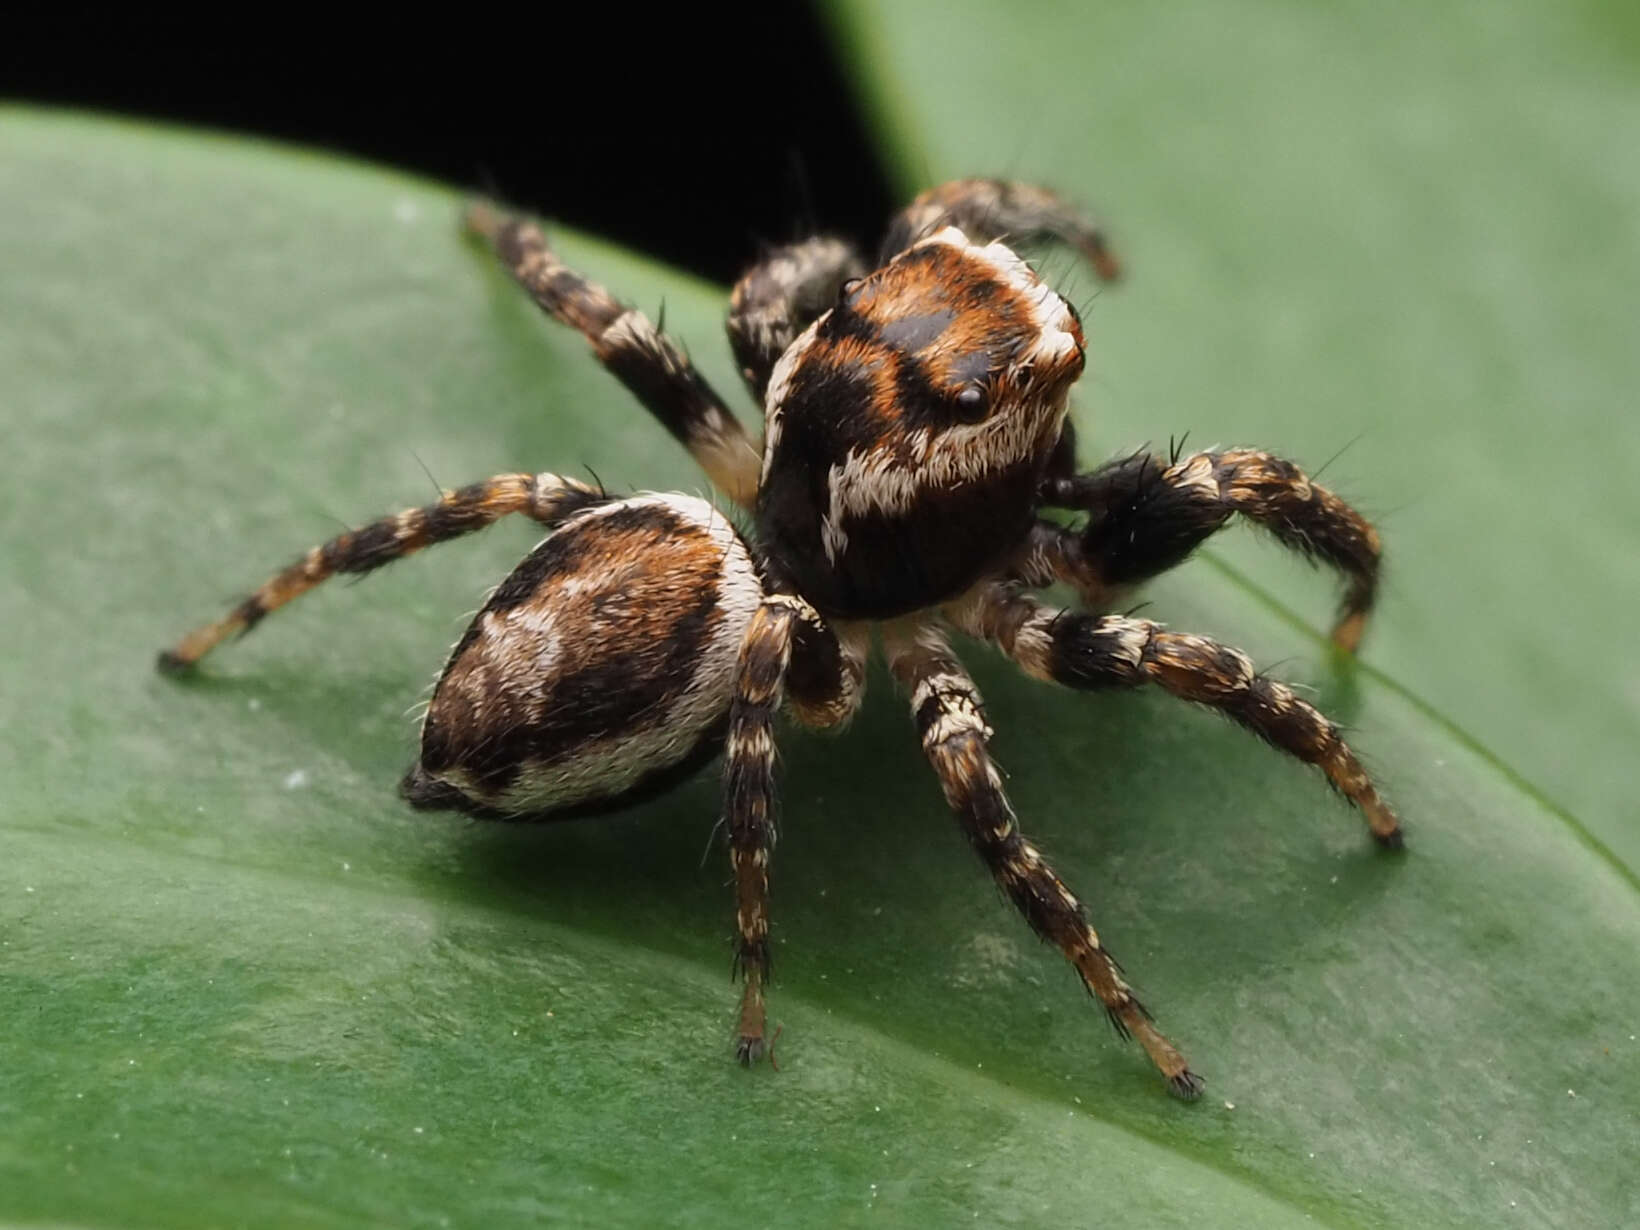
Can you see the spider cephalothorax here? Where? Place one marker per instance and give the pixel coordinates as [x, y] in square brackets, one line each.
[910, 426]
[915, 428]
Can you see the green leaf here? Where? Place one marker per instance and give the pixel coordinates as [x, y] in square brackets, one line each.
[243, 984]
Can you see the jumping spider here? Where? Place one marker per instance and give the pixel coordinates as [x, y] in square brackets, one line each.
[914, 429]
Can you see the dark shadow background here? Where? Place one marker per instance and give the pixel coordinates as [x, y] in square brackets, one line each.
[692, 135]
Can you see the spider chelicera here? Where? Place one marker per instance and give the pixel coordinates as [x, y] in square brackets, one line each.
[914, 430]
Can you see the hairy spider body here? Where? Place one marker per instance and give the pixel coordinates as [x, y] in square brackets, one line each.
[914, 428]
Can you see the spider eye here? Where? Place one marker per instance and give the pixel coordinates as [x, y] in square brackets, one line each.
[971, 403]
[846, 291]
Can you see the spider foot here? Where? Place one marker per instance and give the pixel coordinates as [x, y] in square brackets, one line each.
[169, 662]
[1186, 1086]
[1394, 839]
[1347, 634]
[750, 1049]
[1182, 1083]
[481, 220]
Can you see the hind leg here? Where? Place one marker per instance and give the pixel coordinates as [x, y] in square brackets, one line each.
[780, 296]
[987, 209]
[546, 498]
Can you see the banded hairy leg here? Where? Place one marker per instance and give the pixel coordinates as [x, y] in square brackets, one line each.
[952, 726]
[780, 296]
[987, 209]
[789, 652]
[1052, 554]
[1146, 514]
[1086, 651]
[652, 367]
[546, 498]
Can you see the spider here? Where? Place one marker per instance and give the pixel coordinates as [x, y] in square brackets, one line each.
[915, 430]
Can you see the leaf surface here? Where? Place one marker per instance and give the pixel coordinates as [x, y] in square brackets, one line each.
[242, 983]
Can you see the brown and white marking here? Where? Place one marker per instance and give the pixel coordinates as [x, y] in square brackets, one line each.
[606, 659]
[923, 407]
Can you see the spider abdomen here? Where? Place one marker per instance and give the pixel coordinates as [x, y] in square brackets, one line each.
[600, 671]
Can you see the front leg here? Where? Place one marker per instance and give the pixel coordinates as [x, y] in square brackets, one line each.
[951, 723]
[1091, 652]
[1051, 554]
[1146, 514]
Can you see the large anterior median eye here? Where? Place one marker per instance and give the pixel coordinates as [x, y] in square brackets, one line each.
[972, 403]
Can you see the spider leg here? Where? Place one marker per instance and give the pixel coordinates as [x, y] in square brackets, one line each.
[546, 498]
[951, 724]
[1088, 651]
[1062, 461]
[826, 682]
[780, 296]
[639, 355]
[1051, 554]
[987, 209]
[1147, 514]
[788, 652]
